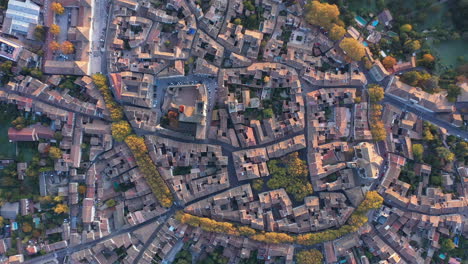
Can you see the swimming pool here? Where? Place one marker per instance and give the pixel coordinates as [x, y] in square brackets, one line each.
[375, 23]
[360, 20]
[365, 44]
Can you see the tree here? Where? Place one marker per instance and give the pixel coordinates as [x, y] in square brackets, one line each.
[257, 184]
[430, 85]
[27, 228]
[376, 93]
[237, 21]
[373, 200]
[428, 58]
[55, 153]
[447, 244]
[54, 45]
[445, 154]
[291, 173]
[120, 130]
[322, 14]
[418, 151]
[453, 91]
[249, 6]
[67, 47]
[61, 208]
[378, 130]
[81, 189]
[427, 134]
[19, 123]
[367, 63]
[111, 203]
[353, 48]
[54, 29]
[99, 79]
[6, 66]
[36, 73]
[167, 43]
[388, 62]
[266, 79]
[57, 8]
[39, 33]
[311, 256]
[1, 221]
[267, 113]
[246, 231]
[461, 151]
[337, 32]
[406, 28]
[413, 45]
[412, 77]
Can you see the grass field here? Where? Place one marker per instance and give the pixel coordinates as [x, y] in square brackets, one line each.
[7, 149]
[448, 52]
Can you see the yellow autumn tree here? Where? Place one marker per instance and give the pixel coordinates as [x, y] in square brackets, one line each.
[378, 130]
[54, 45]
[61, 208]
[55, 153]
[376, 93]
[311, 256]
[120, 130]
[67, 47]
[388, 62]
[322, 14]
[246, 231]
[353, 48]
[54, 29]
[57, 8]
[337, 32]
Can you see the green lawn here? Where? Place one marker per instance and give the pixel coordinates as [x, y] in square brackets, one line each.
[362, 7]
[7, 149]
[449, 51]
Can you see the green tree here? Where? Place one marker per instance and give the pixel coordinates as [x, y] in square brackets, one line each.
[257, 184]
[291, 173]
[237, 21]
[445, 154]
[418, 151]
[111, 203]
[39, 33]
[6, 66]
[461, 151]
[447, 244]
[267, 113]
[453, 91]
[431, 85]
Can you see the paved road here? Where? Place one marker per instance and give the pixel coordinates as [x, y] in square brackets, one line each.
[69, 250]
[428, 116]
